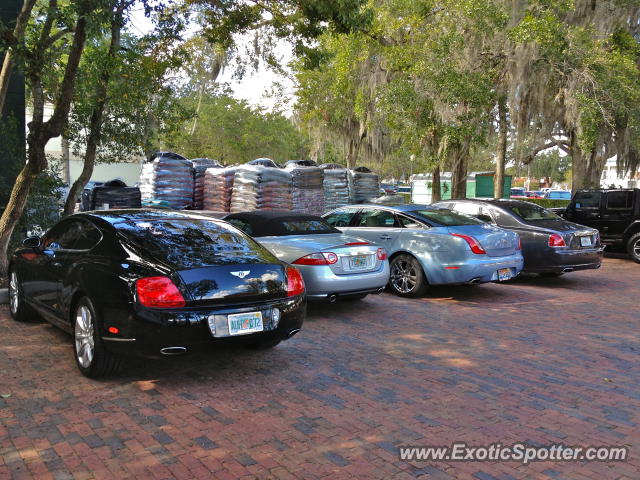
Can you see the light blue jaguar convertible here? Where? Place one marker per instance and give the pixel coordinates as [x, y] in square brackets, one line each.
[428, 245]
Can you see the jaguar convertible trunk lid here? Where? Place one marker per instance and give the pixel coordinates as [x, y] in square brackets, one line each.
[235, 283]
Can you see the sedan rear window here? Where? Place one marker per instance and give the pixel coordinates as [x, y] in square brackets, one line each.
[192, 243]
[531, 212]
[445, 218]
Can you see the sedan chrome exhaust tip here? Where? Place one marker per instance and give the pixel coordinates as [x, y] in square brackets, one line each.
[474, 281]
[173, 350]
[380, 290]
[291, 333]
[333, 297]
[567, 270]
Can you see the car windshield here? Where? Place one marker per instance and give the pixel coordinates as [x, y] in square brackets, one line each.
[530, 212]
[445, 218]
[191, 243]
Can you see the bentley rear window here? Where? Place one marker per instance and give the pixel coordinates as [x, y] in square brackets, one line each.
[191, 243]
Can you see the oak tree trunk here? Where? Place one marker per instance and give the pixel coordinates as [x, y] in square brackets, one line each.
[435, 185]
[39, 134]
[95, 122]
[501, 153]
[9, 56]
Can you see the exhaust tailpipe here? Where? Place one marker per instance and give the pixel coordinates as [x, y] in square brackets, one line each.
[173, 350]
[567, 270]
[380, 290]
[474, 281]
[292, 333]
[333, 297]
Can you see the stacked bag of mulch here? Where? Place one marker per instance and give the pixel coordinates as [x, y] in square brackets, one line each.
[218, 187]
[112, 194]
[366, 185]
[307, 194]
[261, 188]
[200, 165]
[336, 185]
[167, 179]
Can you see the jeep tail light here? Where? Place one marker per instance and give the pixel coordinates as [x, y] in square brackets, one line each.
[320, 258]
[381, 254]
[295, 283]
[473, 243]
[159, 292]
[556, 240]
[519, 247]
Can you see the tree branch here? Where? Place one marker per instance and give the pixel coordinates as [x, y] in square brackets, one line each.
[561, 144]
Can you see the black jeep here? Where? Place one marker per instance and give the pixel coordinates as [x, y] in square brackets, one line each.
[615, 213]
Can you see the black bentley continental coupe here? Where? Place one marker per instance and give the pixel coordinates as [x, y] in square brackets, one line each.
[151, 283]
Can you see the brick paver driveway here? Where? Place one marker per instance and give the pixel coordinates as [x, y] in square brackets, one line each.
[537, 360]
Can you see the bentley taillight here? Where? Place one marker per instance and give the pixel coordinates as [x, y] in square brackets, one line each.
[159, 292]
[295, 283]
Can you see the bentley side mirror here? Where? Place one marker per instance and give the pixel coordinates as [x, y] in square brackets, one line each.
[31, 242]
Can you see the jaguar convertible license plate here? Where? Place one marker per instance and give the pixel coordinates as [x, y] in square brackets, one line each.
[585, 241]
[358, 261]
[504, 274]
[243, 323]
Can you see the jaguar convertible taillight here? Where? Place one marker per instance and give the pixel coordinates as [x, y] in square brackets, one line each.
[473, 243]
[320, 258]
[295, 283]
[556, 240]
[159, 292]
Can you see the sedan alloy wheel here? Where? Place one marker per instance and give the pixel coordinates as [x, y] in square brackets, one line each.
[407, 278]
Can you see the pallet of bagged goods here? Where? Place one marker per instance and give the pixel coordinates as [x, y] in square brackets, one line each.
[167, 179]
[261, 188]
[335, 185]
[218, 188]
[366, 185]
[200, 166]
[307, 193]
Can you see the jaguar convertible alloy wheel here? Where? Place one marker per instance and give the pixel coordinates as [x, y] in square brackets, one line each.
[407, 278]
[92, 358]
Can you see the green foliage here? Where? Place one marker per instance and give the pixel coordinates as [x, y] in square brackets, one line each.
[42, 209]
[232, 131]
[549, 202]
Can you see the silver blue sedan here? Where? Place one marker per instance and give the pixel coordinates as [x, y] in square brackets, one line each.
[333, 265]
[433, 246]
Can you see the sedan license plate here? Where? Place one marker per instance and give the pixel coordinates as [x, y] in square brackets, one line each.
[504, 274]
[585, 241]
[243, 323]
[358, 261]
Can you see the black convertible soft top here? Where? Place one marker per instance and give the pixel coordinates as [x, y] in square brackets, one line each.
[266, 223]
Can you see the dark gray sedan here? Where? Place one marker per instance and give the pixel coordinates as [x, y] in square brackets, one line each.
[551, 245]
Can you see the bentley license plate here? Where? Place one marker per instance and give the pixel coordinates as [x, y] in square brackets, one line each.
[243, 323]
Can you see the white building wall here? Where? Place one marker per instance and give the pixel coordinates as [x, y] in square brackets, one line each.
[610, 176]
